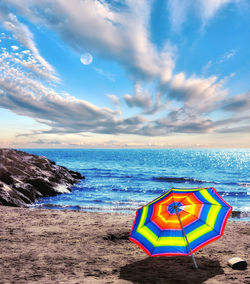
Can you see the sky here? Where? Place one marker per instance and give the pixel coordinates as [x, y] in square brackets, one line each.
[125, 74]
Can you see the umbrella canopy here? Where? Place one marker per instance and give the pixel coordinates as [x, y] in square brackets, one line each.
[180, 221]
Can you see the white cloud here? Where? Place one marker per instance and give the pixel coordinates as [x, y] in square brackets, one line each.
[227, 56]
[238, 104]
[23, 36]
[205, 10]
[187, 125]
[141, 98]
[199, 94]
[14, 47]
[208, 9]
[114, 99]
[178, 11]
[168, 57]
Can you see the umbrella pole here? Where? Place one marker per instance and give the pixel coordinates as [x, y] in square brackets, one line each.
[194, 261]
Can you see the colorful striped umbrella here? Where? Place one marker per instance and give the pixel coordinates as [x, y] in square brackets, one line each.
[180, 222]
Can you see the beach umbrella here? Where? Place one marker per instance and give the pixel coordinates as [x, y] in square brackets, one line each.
[180, 222]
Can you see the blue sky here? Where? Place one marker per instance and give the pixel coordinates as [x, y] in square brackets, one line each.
[121, 74]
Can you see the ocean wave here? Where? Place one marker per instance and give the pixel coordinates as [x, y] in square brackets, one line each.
[128, 190]
[178, 180]
[157, 191]
[237, 213]
[94, 169]
[119, 203]
[244, 184]
[198, 181]
[92, 208]
[234, 194]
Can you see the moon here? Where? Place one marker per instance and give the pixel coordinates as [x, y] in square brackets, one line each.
[86, 58]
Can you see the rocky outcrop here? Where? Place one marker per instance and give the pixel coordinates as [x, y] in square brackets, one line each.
[25, 178]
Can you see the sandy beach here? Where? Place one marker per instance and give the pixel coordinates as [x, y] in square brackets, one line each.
[52, 246]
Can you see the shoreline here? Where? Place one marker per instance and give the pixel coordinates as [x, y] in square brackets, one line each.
[63, 246]
[236, 215]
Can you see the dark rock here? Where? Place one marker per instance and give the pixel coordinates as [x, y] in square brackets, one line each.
[28, 190]
[43, 186]
[25, 177]
[10, 197]
[6, 177]
[76, 175]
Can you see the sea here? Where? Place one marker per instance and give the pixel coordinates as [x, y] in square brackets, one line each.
[123, 180]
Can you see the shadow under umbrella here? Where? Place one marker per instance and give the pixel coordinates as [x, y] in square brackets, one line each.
[170, 270]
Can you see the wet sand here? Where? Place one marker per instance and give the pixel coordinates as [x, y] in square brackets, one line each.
[52, 246]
